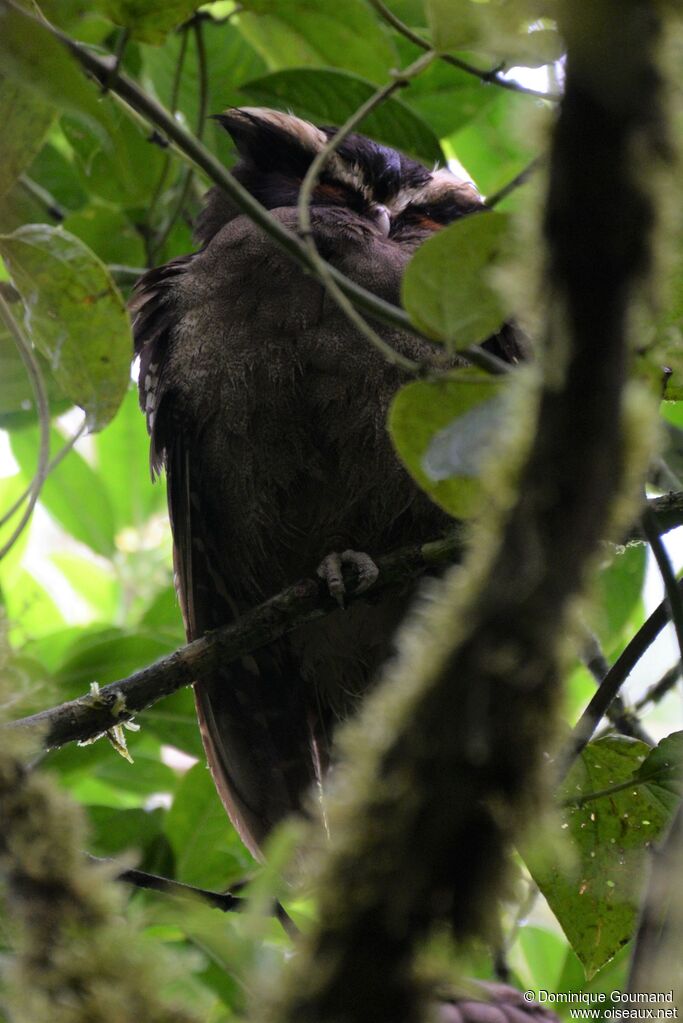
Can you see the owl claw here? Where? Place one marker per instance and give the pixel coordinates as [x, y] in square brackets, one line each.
[330, 570]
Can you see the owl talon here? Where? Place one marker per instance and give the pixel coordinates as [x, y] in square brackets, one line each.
[330, 570]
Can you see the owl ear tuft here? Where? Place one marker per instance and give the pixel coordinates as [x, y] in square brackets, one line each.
[271, 140]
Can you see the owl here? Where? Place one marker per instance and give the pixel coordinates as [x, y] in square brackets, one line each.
[267, 410]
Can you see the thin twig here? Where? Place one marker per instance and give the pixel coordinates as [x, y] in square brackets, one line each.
[669, 511]
[51, 466]
[186, 184]
[615, 678]
[227, 902]
[492, 77]
[35, 375]
[118, 54]
[672, 597]
[520, 179]
[308, 184]
[659, 690]
[125, 274]
[152, 246]
[622, 718]
[42, 196]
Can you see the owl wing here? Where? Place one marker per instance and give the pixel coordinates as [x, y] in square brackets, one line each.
[253, 717]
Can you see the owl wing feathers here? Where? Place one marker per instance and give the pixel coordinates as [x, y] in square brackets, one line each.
[252, 713]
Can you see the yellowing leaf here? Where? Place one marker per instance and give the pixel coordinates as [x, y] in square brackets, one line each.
[74, 315]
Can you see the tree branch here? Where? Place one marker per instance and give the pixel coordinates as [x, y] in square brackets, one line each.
[227, 902]
[440, 771]
[304, 601]
[493, 77]
[668, 510]
[90, 716]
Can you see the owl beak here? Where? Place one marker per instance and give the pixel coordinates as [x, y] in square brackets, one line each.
[380, 214]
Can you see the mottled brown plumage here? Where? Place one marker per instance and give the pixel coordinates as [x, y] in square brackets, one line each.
[267, 410]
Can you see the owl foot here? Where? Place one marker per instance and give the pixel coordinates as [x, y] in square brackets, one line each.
[330, 570]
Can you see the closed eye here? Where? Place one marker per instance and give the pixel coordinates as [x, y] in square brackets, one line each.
[335, 193]
[420, 218]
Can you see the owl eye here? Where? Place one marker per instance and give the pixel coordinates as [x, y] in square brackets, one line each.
[424, 217]
[337, 193]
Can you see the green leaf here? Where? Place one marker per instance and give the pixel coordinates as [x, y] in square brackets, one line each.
[544, 955]
[503, 32]
[74, 314]
[596, 897]
[229, 950]
[163, 612]
[148, 20]
[25, 121]
[96, 584]
[146, 776]
[122, 452]
[174, 721]
[113, 832]
[490, 145]
[231, 61]
[106, 656]
[54, 169]
[619, 590]
[663, 766]
[17, 400]
[17, 207]
[330, 97]
[31, 610]
[446, 288]
[454, 24]
[99, 763]
[296, 33]
[446, 97]
[108, 232]
[128, 180]
[91, 521]
[208, 850]
[442, 430]
[31, 56]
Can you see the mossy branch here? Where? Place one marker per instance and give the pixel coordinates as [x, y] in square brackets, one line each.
[76, 960]
[443, 767]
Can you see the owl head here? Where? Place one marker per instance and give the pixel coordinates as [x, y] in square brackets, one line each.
[400, 197]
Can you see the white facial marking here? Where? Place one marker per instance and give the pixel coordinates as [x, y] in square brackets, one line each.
[382, 219]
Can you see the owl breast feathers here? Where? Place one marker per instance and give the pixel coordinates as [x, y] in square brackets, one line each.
[267, 410]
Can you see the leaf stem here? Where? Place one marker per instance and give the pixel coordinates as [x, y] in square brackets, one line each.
[35, 375]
